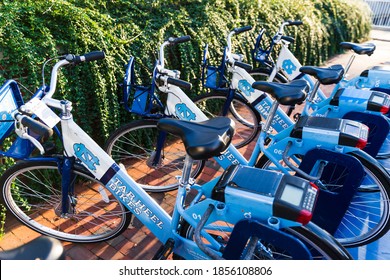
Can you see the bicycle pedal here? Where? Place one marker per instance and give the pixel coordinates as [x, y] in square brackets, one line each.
[296, 117]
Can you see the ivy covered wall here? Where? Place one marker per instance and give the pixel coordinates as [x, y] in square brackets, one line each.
[32, 31]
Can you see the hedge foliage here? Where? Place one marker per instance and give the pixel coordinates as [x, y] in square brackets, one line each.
[32, 31]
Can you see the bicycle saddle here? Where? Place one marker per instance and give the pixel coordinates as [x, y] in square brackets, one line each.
[325, 75]
[41, 248]
[286, 94]
[366, 48]
[202, 140]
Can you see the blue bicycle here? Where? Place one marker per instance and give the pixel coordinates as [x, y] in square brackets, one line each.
[234, 219]
[345, 101]
[74, 207]
[282, 139]
[347, 138]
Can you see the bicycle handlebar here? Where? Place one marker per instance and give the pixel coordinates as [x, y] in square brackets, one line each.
[242, 29]
[234, 32]
[294, 22]
[95, 55]
[180, 83]
[173, 81]
[288, 39]
[35, 126]
[170, 41]
[70, 58]
[247, 67]
[279, 35]
[182, 39]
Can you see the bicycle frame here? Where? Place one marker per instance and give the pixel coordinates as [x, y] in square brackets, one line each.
[77, 144]
[263, 103]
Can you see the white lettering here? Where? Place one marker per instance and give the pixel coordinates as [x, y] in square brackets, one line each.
[278, 152]
[129, 199]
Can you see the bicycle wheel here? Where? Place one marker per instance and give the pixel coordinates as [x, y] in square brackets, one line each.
[320, 244]
[246, 118]
[134, 144]
[32, 193]
[368, 216]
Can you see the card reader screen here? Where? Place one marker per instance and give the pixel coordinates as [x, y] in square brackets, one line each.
[352, 129]
[377, 99]
[292, 194]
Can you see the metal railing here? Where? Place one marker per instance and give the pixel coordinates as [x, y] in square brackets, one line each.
[380, 12]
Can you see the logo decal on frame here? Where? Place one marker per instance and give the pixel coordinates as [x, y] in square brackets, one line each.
[184, 112]
[86, 156]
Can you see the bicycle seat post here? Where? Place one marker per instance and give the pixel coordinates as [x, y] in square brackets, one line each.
[185, 180]
[350, 61]
[313, 92]
[270, 116]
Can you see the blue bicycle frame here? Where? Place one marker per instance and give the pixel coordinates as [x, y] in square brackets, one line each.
[79, 145]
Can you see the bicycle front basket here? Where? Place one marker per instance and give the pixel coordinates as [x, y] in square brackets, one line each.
[261, 51]
[213, 77]
[10, 100]
[137, 99]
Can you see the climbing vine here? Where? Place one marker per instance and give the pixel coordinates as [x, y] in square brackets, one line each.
[32, 31]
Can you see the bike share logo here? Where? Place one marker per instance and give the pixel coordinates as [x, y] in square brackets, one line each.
[289, 66]
[85, 155]
[184, 113]
[245, 87]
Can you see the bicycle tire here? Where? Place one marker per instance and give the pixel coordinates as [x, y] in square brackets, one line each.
[32, 193]
[364, 201]
[133, 145]
[247, 119]
[320, 244]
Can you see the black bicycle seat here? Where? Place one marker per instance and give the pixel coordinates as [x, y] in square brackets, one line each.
[41, 248]
[365, 48]
[202, 140]
[325, 75]
[286, 94]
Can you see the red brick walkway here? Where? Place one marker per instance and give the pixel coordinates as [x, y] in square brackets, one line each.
[137, 242]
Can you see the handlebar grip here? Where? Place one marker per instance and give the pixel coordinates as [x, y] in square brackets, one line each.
[179, 40]
[242, 29]
[294, 22]
[243, 65]
[288, 39]
[180, 83]
[91, 56]
[36, 126]
[95, 55]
